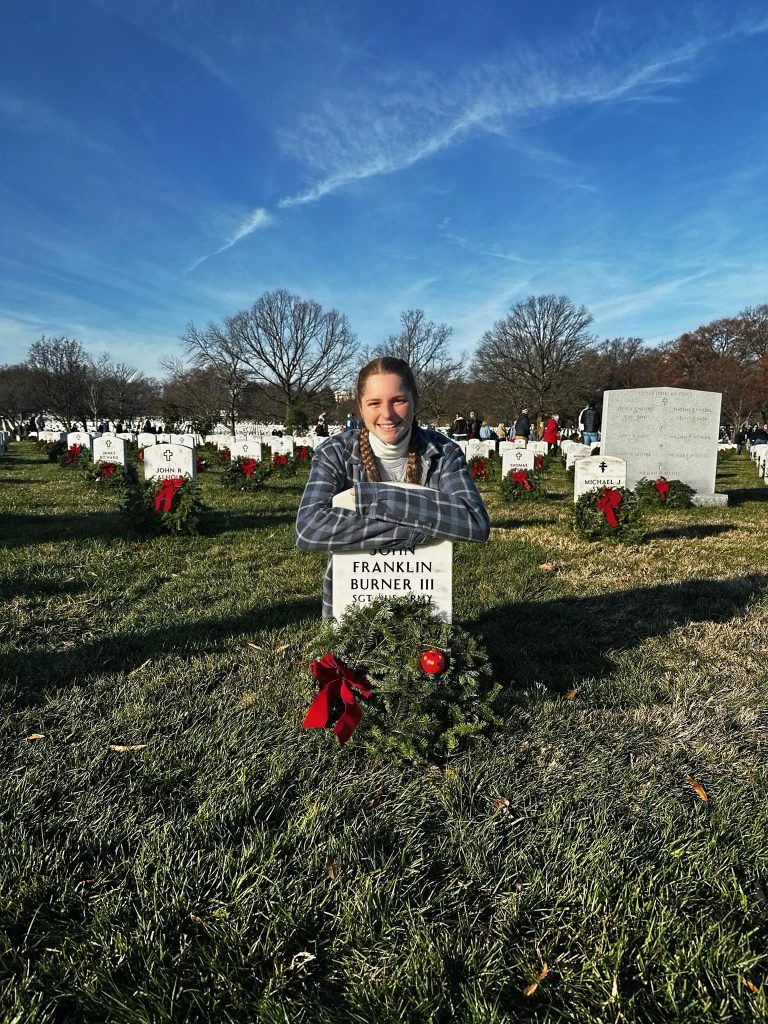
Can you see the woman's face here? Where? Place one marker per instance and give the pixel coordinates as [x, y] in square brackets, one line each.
[386, 407]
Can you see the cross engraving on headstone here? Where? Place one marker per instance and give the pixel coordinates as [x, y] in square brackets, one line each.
[168, 455]
[603, 467]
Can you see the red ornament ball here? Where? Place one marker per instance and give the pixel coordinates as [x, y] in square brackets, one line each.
[433, 662]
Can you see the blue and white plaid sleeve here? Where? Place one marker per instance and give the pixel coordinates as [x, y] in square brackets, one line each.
[320, 527]
[451, 508]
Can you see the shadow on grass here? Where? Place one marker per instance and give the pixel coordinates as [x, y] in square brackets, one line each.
[22, 586]
[512, 524]
[37, 672]
[23, 531]
[563, 641]
[215, 523]
[689, 532]
[740, 495]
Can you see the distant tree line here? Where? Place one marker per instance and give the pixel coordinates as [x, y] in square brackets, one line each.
[285, 357]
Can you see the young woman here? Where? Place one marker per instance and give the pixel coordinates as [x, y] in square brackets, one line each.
[388, 448]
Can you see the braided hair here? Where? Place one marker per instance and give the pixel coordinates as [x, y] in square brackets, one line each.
[387, 364]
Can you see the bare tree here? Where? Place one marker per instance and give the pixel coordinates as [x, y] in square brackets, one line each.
[537, 351]
[18, 394]
[220, 350]
[61, 368]
[292, 346]
[128, 392]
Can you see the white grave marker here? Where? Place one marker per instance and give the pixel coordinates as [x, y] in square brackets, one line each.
[82, 438]
[515, 459]
[476, 449]
[126, 437]
[245, 450]
[169, 461]
[670, 432]
[424, 571]
[576, 452]
[596, 472]
[144, 440]
[281, 445]
[110, 449]
[538, 447]
[520, 442]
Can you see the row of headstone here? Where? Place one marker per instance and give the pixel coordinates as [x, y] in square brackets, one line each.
[760, 454]
[145, 439]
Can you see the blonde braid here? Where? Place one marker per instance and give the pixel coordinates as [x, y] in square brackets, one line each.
[413, 465]
[367, 457]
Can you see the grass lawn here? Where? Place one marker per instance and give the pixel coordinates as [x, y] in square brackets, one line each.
[237, 868]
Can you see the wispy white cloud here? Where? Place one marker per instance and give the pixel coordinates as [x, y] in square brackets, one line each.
[399, 120]
[256, 219]
[37, 119]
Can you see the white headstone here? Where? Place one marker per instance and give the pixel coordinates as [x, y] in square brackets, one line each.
[168, 461]
[189, 440]
[110, 449]
[245, 450]
[576, 452]
[596, 472]
[520, 442]
[281, 445]
[538, 447]
[424, 571]
[163, 438]
[476, 449]
[82, 438]
[125, 436]
[224, 441]
[515, 459]
[670, 432]
[505, 446]
[143, 440]
[305, 441]
[462, 445]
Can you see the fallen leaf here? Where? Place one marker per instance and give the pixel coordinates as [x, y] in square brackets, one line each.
[529, 990]
[700, 791]
[542, 973]
[255, 646]
[196, 919]
[375, 799]
[500, 803]
[571, 694]
[284, 647]
[36, 736]
[121, 747]
[87, 881]
[330, 869]
[750, 985]
[549, 566]
[141, 666]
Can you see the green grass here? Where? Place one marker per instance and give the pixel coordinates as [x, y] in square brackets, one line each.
[189, 880]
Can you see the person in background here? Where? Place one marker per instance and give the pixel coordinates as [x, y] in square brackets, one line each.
[740, 438]
[523, 425]
[486, 433]
[550, 434]
[589, 424]
[459, 428]
[321, 430]
[351, 423]
[473, 427]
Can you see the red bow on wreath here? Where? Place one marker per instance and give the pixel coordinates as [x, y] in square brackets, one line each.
[107, 469]
[339, 682]
[662, 487]
[303, 454]
[280, 460]
[478, 470]
[164, 497]
[538, 461]
[248, 467]
[520, 476]
[73, 454]
[608, 502]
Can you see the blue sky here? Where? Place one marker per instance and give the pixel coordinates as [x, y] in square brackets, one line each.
[169, 160]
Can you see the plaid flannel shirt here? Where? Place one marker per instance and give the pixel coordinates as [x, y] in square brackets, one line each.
[387, 516]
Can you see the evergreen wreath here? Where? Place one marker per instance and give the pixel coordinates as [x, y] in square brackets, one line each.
[522, 485]
[53, 450]
[412, 715]
[303, 455]
[484, 468]
[140, 506]
[247, 474]
[75, 456]
[283, 465]
[653, 493]
[595, 511]
[110, 474]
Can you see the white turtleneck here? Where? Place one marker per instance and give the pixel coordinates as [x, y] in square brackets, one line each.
[392, 458]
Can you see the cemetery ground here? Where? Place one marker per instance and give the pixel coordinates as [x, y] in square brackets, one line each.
[176, 847]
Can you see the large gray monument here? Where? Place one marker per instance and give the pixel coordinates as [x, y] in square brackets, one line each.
[670, 432]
